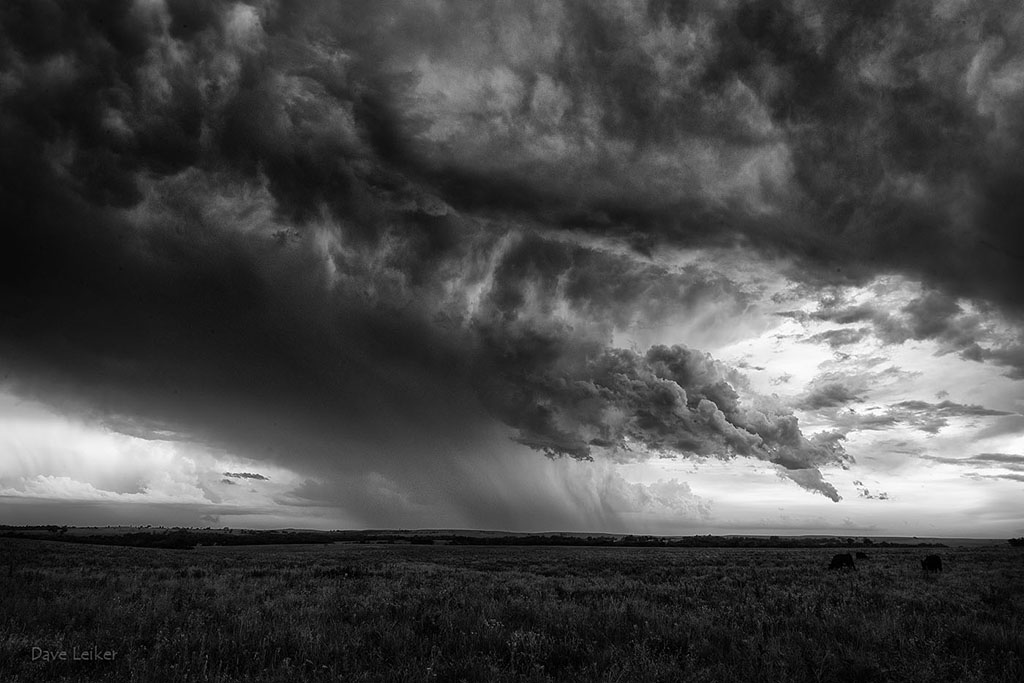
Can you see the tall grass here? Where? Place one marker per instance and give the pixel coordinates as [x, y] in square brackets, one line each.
[439, 613]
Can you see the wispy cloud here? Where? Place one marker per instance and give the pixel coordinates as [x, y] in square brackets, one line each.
[245, 475]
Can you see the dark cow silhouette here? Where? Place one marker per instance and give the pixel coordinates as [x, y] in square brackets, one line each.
[842, 561]
[861, 555]
[932, 563]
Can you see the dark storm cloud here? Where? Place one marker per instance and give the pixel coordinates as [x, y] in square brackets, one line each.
[862, 135]
[888, 138]
[601, 286]
[288, 228]
[638, 119]
[200, 310]
[568, 399]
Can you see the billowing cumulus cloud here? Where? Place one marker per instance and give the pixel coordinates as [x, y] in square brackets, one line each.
[571, 401]
[329, 235]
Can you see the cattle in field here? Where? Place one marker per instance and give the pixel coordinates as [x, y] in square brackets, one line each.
[861, 555]
[842, 561]
[932, 563]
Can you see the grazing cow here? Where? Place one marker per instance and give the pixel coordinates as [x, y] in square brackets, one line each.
[932, 563]
[861, 555]
[842, 561]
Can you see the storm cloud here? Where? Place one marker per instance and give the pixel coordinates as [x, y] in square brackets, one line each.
[354, 235]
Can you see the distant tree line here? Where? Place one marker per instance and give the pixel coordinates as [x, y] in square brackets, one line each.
[177, 538]
[685, 542]
[190, 538]
[605, 541]
[1017, 542]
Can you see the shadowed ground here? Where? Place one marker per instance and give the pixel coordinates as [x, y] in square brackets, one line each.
[424, 613]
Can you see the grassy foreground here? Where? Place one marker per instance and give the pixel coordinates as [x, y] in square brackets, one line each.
[441, 613]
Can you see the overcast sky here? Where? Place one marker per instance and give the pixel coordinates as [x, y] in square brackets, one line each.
[648, 267]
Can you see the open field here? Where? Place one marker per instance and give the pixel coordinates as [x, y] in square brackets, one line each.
[446, 613]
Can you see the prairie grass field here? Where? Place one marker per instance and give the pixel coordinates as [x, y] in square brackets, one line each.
[453, 613]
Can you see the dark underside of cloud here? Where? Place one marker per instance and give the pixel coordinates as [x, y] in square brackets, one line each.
[320, 233]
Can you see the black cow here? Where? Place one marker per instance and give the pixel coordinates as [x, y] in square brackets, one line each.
[842, 561]
[861, 555]
[932, 563]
